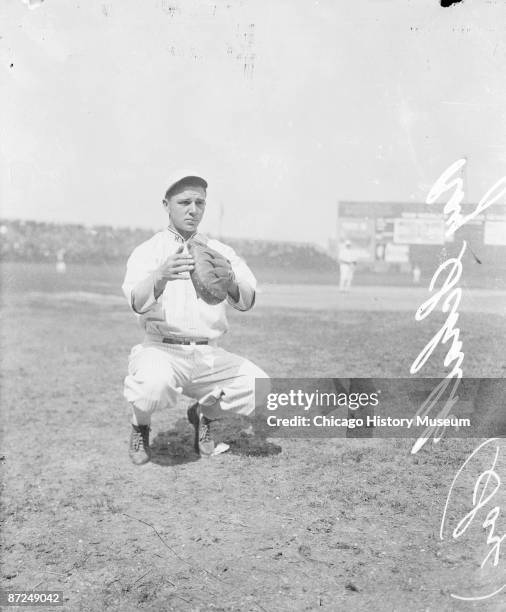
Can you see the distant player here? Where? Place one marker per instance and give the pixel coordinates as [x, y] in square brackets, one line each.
[417, 273]
[61, 266]
[347, 263]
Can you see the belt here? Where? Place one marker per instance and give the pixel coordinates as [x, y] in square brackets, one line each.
[186, 341]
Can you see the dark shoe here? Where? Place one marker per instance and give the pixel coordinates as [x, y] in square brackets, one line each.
[139, 451]
[202, 442]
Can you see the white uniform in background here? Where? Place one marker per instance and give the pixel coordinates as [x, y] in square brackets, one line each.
[61, 266]
[347, 263]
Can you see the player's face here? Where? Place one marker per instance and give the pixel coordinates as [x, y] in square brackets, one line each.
[186, 209]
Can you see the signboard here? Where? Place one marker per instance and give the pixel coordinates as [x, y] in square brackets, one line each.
[419, 231]
[397, 253]
[495, 233]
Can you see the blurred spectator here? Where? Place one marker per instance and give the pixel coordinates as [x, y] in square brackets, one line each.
[61, 266]
[37, 241]
[417, 273]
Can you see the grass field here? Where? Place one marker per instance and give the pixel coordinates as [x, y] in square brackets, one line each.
[307, 525]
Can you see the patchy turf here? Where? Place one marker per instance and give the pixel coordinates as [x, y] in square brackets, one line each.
[273, 525]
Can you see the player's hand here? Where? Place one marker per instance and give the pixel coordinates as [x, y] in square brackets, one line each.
[175, 267]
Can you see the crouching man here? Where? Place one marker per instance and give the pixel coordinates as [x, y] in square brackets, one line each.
[180, 352]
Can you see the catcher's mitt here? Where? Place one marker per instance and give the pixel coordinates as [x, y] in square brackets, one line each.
[212, 273]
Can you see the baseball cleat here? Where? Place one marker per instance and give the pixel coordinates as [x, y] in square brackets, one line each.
[202, 442]
[221, 447]
[139, 451]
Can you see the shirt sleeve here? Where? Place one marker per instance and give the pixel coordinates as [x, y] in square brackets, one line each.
[138, 289]
[243, 275]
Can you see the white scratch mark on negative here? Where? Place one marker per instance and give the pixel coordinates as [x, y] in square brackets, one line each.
[247, 53]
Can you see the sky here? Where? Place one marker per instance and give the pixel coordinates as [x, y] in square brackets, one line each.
[286, 107]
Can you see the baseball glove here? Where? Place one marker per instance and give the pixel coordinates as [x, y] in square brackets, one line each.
[212, 273]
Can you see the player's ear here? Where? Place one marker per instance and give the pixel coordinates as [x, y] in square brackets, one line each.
[165, 204]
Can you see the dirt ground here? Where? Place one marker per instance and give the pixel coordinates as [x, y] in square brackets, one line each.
[271, 526]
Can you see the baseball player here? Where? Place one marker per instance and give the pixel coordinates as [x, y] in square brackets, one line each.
[347, 262]
[180, 351]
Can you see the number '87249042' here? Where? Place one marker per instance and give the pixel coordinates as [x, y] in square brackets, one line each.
[18, 597]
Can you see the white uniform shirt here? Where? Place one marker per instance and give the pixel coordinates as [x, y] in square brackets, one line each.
[178, 311]
[346, 255]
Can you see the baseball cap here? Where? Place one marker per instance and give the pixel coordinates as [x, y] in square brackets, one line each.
[181, 175]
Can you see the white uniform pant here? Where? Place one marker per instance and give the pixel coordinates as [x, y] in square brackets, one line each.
[345, 276]
[220, 381]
